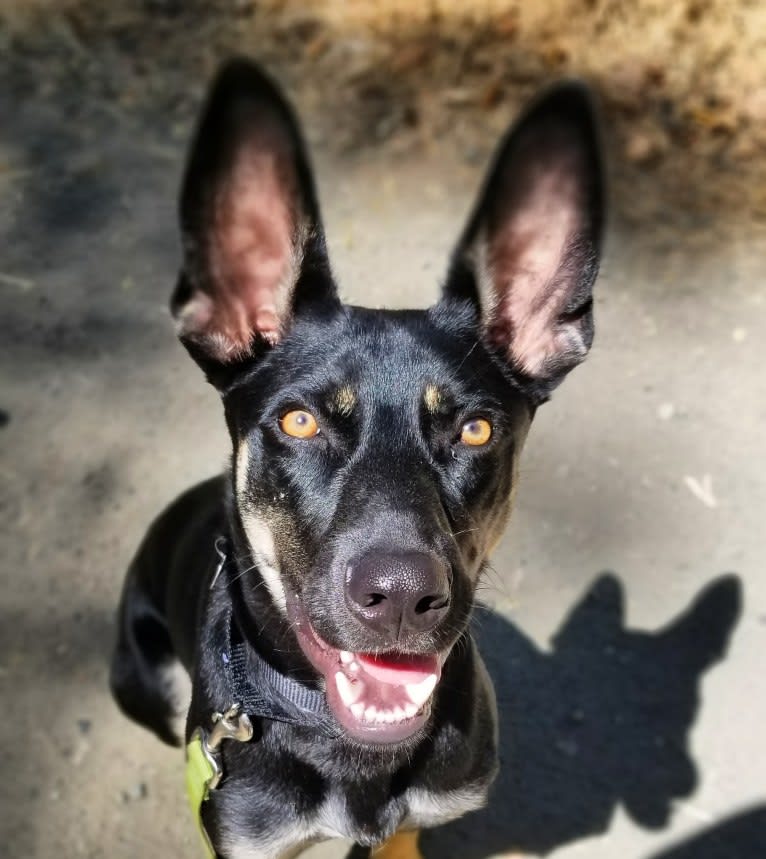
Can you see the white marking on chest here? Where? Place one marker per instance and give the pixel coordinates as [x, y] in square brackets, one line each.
[332, 818]
[428, 808]
[241, 848]
[329, 821]
[259, 535]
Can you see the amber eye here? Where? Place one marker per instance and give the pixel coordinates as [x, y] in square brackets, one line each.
[476, 432]
[299, 424]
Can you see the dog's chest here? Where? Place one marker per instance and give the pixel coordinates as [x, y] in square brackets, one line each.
[281, 830]
[366, 818]
[365, 815]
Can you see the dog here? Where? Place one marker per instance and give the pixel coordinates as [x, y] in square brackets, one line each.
[307, 614]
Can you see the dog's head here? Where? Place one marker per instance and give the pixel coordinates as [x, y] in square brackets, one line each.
[375, 451]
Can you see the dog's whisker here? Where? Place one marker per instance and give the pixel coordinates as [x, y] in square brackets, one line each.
[469, 353]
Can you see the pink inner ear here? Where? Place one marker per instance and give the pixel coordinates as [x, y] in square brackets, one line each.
[526, 254]
[251, 257]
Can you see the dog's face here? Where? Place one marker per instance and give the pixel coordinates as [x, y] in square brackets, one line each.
[372, 477]
[375, 451]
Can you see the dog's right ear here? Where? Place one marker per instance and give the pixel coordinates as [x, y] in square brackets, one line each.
[254, 248]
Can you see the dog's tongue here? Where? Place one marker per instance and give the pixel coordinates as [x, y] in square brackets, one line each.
[398, 669]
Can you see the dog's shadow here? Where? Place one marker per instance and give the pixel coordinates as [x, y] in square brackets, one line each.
[742, 836]
[601, 719]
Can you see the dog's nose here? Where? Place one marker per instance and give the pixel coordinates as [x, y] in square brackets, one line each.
[395, 594]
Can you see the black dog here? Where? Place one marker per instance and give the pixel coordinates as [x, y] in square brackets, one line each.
[319, 595]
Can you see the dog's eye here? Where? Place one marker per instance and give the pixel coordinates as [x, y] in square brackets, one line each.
[476, 432]
[299, 424]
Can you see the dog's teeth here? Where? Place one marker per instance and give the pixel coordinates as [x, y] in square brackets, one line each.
[370, 713]
[354, 667]
[419, 693]
[399, 714]
[410, 710]
[346, 656]
[357, 710]
[349, 692]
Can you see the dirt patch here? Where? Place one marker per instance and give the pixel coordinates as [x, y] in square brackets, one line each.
[683, 85]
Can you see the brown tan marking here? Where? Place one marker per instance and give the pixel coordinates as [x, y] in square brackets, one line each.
[432, 398]
[401, 845]
[259, 533]
[345, 400]
[498, 526]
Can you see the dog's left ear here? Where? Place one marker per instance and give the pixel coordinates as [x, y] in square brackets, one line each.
[702, 635]
[530, 253]
[254, 248]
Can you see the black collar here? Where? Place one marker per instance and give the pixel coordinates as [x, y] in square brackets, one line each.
[261, 690]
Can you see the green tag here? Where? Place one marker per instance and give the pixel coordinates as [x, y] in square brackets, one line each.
[199, 771]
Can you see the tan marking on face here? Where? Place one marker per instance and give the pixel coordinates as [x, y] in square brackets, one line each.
[497, 529]
[514, 484]
[432, 398]
[259, 534]
[242, 462]
[345, 400]
[261, 539]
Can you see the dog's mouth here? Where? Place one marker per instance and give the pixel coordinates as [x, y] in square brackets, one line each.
[377, 698]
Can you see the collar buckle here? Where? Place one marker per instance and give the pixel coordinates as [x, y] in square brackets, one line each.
[204, 767]
[232, 724]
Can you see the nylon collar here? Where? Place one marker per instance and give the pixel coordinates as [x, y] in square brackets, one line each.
[261, 690]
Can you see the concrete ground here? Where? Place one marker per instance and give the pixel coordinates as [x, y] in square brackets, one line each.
[632, 702]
